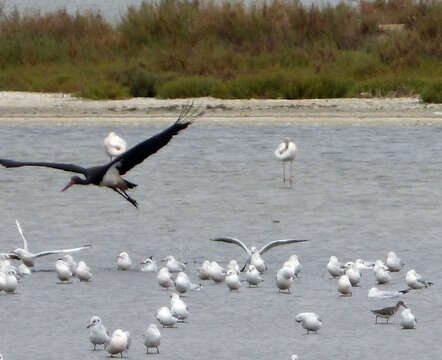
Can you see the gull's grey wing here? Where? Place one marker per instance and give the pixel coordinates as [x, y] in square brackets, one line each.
[63, 251]
[233, 241]
[274, 243]
[25, 243]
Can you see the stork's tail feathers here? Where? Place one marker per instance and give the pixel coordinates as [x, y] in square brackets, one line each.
[130, 185]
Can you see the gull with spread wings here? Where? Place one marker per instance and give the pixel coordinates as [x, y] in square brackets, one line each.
[254, 255]
[28, 257]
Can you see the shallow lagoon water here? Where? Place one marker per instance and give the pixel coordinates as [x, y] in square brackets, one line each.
[360, 191]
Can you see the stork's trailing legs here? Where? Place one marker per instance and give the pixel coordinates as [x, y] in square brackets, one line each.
[126, 196]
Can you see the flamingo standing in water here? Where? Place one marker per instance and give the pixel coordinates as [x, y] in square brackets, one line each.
[109, 175]
[286, 152]
[114, 145]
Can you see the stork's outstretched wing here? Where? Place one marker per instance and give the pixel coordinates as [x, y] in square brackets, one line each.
[60, 166]
[274, 243]
[143, 150]
[234, 241]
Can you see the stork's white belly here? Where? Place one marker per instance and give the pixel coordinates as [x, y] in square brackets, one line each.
[112, 178]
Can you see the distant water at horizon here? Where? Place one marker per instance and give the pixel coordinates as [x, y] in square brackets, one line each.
[110, 9]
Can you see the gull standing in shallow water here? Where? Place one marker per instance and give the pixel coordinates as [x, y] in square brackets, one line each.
[385, 294]
[28, 257]
[232, 280]
[98, 335]
[394, 263]
[408, 320]
[63, 271]
[216, 272]
[344, 285]
[309, 321]
[165, 317]
[165, 278]
[82, 272]
[284, 278]
[178, 308]
[152, 338]
[203, 271]
[174, 265]
[119, 342]
[114, 145]
[253, 276]
[123, 261]
[286, 152]
[416, 281]
[254, 255]
[334, 267]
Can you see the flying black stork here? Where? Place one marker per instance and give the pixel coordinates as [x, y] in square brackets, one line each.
[109, 175]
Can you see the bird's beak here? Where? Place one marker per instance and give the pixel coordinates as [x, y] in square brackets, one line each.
[13, 256]
[70, 183]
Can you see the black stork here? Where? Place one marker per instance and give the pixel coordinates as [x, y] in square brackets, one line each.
[109, 175]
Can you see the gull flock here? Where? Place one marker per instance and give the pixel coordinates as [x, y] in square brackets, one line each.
[171, 275]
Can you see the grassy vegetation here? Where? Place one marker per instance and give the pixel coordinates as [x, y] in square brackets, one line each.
[228, 49]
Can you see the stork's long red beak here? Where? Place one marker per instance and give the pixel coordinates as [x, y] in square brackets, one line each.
[70, 183]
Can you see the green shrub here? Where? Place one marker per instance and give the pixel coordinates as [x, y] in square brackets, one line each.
[183, 87]
[104, 90]
[432, 92]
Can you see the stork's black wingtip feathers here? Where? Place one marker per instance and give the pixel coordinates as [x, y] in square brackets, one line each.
[188, 115]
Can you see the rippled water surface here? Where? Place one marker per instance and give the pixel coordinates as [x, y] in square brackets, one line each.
[360, 191]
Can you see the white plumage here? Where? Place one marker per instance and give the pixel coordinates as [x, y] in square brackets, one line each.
[114, 145]
[286, 152]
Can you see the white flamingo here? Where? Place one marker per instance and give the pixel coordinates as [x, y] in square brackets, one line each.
[114, 145]
[286, 152]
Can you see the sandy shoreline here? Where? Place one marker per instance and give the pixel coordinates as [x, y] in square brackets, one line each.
[41, 107]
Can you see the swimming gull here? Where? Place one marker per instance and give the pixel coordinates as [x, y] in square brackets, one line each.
[149, 265]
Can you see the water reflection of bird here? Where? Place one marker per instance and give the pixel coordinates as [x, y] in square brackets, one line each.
[109, 175]
[286, 152]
